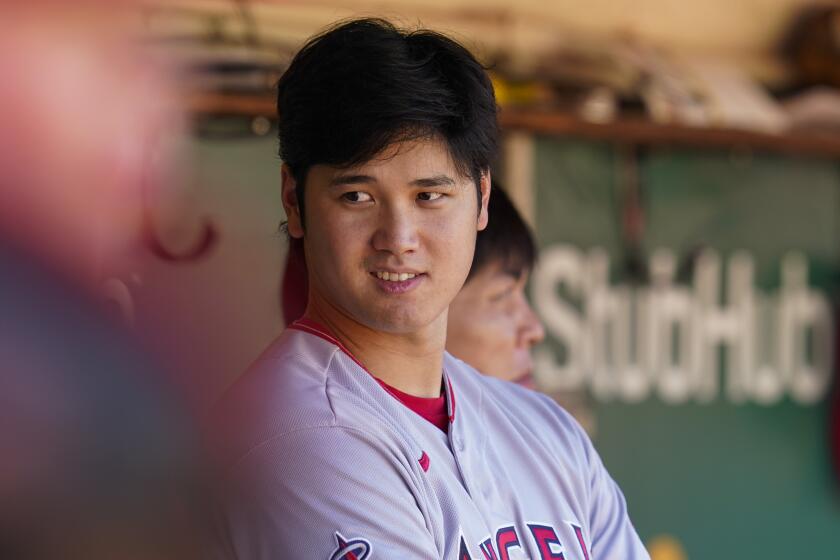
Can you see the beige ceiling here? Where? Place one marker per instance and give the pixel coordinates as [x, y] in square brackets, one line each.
[745, 30]
[744, 25]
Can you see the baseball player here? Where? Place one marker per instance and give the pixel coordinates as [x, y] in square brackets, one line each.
[491, 325]
[355, 435]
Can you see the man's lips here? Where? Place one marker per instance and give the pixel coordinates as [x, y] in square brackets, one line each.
[394, 275]
[526, 380]
[403, 281]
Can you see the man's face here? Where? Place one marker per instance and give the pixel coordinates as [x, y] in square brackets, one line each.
[492, 327]
[389, 243]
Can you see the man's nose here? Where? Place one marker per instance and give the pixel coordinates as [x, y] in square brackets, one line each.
[396, 230]
[531, 330]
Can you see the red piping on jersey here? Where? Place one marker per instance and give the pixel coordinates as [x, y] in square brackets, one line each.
[311, 327]
[451, 401]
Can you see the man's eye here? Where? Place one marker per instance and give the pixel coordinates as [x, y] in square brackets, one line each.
[357, 196]
[501, 295]
[429, 196]
[506, 293]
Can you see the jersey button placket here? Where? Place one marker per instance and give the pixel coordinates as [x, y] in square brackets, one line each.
[459, 448]
[457, 444]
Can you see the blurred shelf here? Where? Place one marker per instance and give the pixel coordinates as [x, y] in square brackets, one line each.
[632, 131]
[638, 131]
[231, 105]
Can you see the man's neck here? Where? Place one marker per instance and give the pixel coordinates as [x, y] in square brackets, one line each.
[411, 362]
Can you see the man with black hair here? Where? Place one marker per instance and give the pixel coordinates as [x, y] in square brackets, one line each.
[355, 435]
[491, 325]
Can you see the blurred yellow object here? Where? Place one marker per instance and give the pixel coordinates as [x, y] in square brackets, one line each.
[519, 93]
[666, 547]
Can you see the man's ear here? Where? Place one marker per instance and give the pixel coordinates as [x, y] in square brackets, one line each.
[290, 202]
[484, 187]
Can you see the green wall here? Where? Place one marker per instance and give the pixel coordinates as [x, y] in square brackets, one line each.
[728, 480]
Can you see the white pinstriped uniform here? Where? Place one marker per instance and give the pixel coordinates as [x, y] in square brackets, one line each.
[336, 468]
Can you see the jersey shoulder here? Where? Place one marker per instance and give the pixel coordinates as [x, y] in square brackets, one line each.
[520, 409]
[306, 385]
[499, 390]
[284, 390]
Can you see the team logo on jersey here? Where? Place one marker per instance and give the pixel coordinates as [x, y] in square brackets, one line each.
[544, 536]
[350, 549]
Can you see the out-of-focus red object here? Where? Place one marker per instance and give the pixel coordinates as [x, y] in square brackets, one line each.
[89, 126]
[295, 286]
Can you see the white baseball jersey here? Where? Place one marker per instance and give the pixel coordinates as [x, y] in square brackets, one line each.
[339, 469]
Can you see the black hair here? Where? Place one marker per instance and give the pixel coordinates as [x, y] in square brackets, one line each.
[364, 85]
[507, 239]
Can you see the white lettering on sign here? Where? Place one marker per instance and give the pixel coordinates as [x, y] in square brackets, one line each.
[666, 338]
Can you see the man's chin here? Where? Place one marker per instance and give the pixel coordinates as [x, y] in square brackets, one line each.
[397, 323]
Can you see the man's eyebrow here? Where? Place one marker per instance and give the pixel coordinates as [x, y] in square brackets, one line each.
[359, 179]
[351, 180]
[436, 181]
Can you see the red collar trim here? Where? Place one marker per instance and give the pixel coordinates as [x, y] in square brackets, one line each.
[433, 409]
[450, 400]
[314, 328]
[311, 327]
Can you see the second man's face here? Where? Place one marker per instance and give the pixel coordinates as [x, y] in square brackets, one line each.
[492, 326]
[389, 243]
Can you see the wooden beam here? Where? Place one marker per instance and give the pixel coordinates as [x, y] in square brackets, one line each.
[639, 131]
[627, 130]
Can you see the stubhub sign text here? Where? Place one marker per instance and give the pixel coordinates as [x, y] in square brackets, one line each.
[682, 342]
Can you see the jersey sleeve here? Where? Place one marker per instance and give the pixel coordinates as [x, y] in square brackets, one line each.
[328, 492]
[613, 536]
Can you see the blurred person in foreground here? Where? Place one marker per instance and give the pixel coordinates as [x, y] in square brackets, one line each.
[97, 456]
[491, 325]
[89, 126]
[355, 435]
